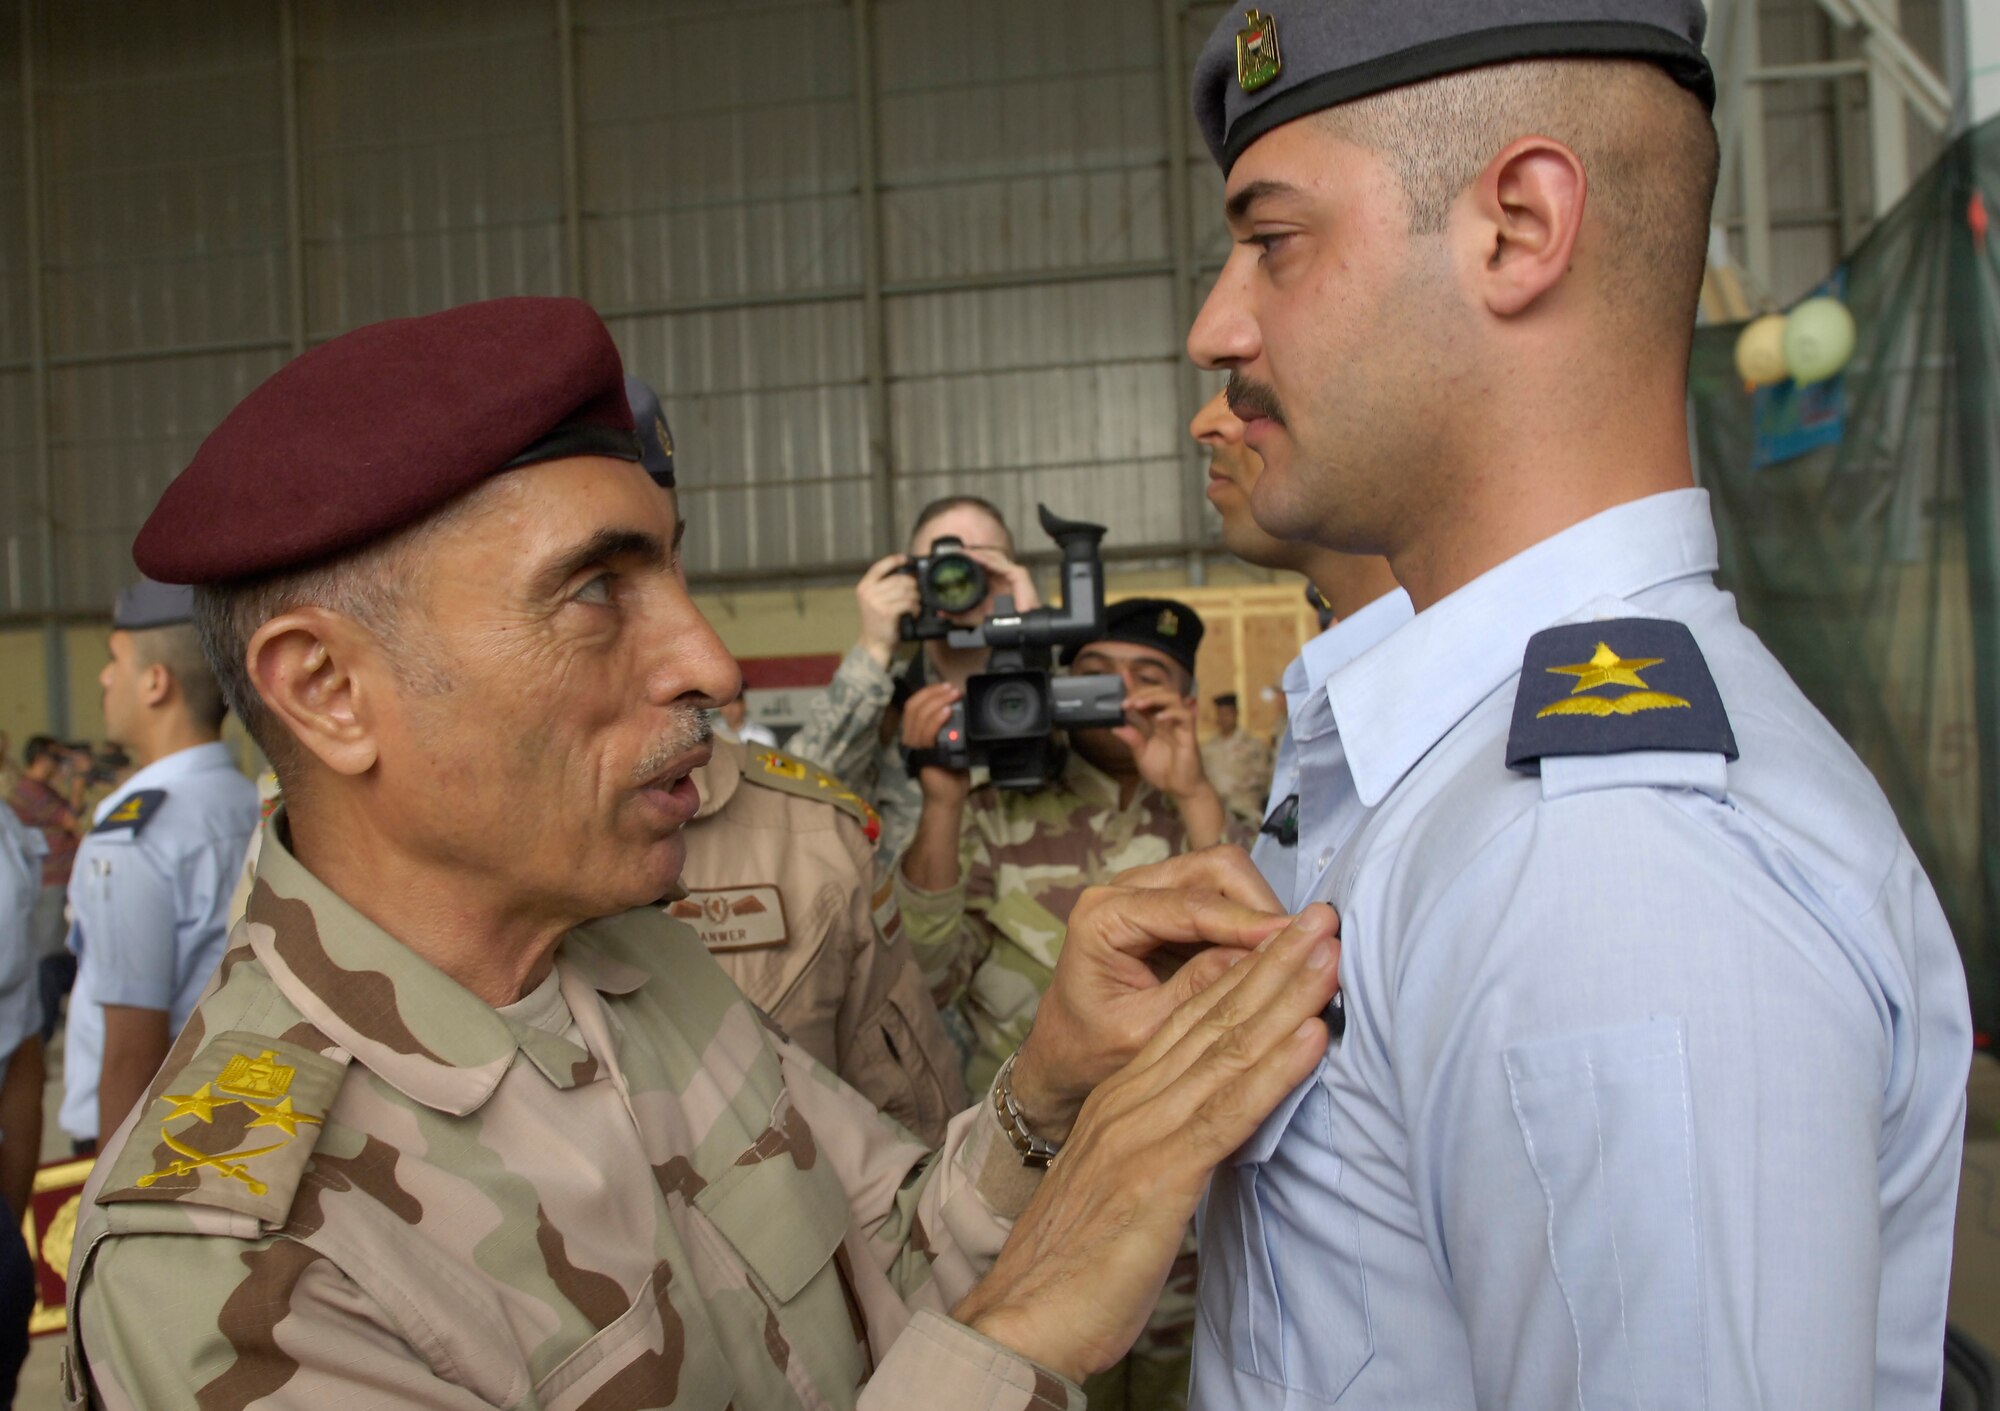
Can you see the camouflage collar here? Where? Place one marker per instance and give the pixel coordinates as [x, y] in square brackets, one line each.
[401, 1017]
[1094, 786]
[717, 780]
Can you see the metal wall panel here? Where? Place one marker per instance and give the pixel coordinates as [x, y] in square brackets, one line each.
[163, 238]
[966, 277]
[431, 148]
[21, 512]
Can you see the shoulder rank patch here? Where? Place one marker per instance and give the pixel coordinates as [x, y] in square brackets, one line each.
[234, 1128]
[134, 812]
[775, 769]
[1612, 687]
[734, 918]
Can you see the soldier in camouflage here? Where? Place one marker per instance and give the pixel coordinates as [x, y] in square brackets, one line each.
[852, 729]
[992, 874]
[780, 886]
[1237, 763]
[466, 1120]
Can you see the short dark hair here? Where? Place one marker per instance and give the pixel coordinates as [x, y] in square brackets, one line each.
[177, 647]
[949, 503]
[1647, 144]
[40, 747]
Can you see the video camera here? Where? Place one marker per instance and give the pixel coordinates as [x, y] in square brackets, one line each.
[1010, 712]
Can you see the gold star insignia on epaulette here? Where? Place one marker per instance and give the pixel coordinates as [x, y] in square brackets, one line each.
[127, 812]
[284, 1117]
[1257, 59]
[199, 1103]
[784, 768]
[1607, 668]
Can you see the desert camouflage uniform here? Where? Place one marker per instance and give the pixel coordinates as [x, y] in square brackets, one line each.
[355, 1183]
[1239, 765]
[842, 735]
[991, 944]
[780, 882]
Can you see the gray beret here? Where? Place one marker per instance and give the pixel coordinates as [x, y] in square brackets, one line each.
[151, 604]
[656, 443]
[1264, 67]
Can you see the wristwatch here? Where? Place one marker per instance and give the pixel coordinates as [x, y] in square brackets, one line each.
[1034, 1151]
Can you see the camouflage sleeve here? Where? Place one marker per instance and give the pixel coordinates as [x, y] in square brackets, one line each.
[948, 931]
[931, 1220]
[891, 1043]
[839, 733]
[937, 1362]
[173, 1320]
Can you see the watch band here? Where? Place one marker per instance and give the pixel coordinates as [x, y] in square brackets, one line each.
[1034, 1151]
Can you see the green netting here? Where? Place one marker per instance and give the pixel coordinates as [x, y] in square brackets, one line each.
[1871, 564]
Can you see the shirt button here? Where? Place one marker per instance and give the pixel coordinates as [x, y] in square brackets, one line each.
[1326, 857]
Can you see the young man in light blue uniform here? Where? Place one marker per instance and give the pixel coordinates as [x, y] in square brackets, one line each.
[1651, 1090]
[149, 894]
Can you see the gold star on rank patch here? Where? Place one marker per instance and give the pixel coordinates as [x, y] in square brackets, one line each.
[283, 1116]
[200, 1103]
[1607, 668]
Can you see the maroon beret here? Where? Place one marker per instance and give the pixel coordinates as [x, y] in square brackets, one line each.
[383, 425]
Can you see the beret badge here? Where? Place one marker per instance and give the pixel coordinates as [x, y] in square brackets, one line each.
[1257, 59]
[1169, 624]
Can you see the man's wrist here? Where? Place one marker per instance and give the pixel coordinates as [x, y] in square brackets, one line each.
[879, 652]
[1046, 1105]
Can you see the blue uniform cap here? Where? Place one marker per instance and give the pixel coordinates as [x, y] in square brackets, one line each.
[656, 442]
[1263, 67]
[148, 603]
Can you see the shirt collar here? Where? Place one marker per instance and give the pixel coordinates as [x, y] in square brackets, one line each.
[1332, 649]
[195, 759]
[1394, 702]
[408, 1022]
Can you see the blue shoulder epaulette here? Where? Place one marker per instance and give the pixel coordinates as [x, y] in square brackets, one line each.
[134, 811]
[1612, 687]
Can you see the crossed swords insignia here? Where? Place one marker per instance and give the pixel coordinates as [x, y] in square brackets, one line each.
[252, 1081]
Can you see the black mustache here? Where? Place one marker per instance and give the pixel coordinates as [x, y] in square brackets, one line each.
[1252, 399]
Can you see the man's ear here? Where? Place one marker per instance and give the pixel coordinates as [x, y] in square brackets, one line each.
[155, 683]
[319, 673]
[1527, 210]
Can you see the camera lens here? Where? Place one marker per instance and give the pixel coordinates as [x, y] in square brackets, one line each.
[1010, 708]
[956, 583]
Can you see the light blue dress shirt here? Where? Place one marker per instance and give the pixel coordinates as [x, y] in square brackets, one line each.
[21, 852]
[148, 913]
[1309, 750]
[1653, 1082]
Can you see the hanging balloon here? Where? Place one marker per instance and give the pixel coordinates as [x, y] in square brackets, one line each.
[1819, 339]
[1760, 351]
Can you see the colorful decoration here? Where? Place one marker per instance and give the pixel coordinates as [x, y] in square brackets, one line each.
[1760, 352]
[1818, 341]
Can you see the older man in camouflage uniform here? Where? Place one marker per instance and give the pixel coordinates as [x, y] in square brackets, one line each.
[467, 1121]
[992, 874]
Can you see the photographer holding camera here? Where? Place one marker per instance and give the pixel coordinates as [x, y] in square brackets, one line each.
[992, 872]
[851, 731]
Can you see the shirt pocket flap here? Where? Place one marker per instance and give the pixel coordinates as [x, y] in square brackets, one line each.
[780, 1206]
[1265, 1139]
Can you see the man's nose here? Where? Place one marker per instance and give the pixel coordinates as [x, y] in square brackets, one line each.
[1224, 335]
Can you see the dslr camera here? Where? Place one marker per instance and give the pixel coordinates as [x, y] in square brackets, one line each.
[949, 580]
[1010, 712]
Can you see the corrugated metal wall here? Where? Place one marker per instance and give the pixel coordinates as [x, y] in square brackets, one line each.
[871, 251]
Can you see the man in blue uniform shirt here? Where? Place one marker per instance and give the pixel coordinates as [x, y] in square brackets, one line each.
[1652, 1084]
[1310, 798]
[149, 894]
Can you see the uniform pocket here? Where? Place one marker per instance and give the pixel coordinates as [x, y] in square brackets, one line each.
[1609, 1132]
[660, 1351]
[1290, 1300]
